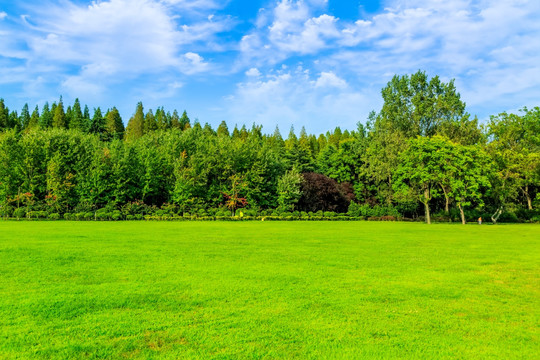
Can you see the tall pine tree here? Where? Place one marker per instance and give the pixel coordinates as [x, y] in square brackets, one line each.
[135, 127]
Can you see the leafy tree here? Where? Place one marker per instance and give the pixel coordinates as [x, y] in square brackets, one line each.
[289, 190]
[233, 197]
[419, 170]
[467, 176]
[320, 192]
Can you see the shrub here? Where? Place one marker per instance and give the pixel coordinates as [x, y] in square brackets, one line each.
[103, 216]
[54, 216]
[508, 217]
[19, 213]
[89, 216]
[116, 215]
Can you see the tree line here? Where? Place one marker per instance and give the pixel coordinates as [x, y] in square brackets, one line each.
[421, 156]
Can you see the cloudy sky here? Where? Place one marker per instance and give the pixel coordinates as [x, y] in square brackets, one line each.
[312, 63]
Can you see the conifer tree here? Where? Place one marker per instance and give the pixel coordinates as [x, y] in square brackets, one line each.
[59, 116]
[77, 120]
[97, 124]
[86, 115]
[4, 115]
[236, 132]
[150, 123]
[175, 121]
[34, 119]
[45, 120]
[184, 121]
[223, 130]
[113, 124]
[13, 121]
[135, 127]
[24, 119]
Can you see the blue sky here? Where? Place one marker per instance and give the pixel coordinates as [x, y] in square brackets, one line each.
[311, 63]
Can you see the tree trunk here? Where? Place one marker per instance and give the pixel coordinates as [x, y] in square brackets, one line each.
[495, 216]
[447, 201]
[529, 201]
[426, 204]
[462, 214]
[525, 192]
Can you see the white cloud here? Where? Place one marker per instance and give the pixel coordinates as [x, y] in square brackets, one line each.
[288, 98]
[114, 41]
[329, 80]
[3, 15]
[193, 63]
[290, 28]
[253, 72]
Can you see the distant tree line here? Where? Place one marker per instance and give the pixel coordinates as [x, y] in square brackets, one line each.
[421, 156]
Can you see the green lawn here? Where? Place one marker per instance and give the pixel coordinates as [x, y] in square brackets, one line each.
[153, 290]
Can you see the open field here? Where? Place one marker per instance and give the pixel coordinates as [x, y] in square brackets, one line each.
[153, 290]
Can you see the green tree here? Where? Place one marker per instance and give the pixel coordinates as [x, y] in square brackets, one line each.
[114, 126]
[77, 120]
[223, 130]
[184, 121]
[46, 119]
[288, 189]
[419, 170]
[59, 116]
[135, 127]
[97, 124]
[467, 175]
[4, 115]
[150, 123]
[34, 119]
[24, 118]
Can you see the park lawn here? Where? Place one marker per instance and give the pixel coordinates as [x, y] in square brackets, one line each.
[342, 290]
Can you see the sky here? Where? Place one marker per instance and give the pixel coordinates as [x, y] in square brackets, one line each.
[313, 63]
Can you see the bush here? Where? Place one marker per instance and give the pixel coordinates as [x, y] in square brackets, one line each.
[508, 217]
[68, 216]
[89, 216]
[54, 216]
[19, 213]
[116, 215]
[36, 215]
[103, 216]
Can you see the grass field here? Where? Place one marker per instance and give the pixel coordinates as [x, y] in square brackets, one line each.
[153, 290]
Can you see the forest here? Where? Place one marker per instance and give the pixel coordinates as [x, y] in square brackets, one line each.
[420, 157]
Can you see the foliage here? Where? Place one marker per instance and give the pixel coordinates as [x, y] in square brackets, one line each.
[422, 149]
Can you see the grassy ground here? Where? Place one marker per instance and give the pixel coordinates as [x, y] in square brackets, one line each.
[268, 290]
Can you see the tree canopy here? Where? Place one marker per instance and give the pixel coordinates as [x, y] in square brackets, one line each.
[420, 156]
